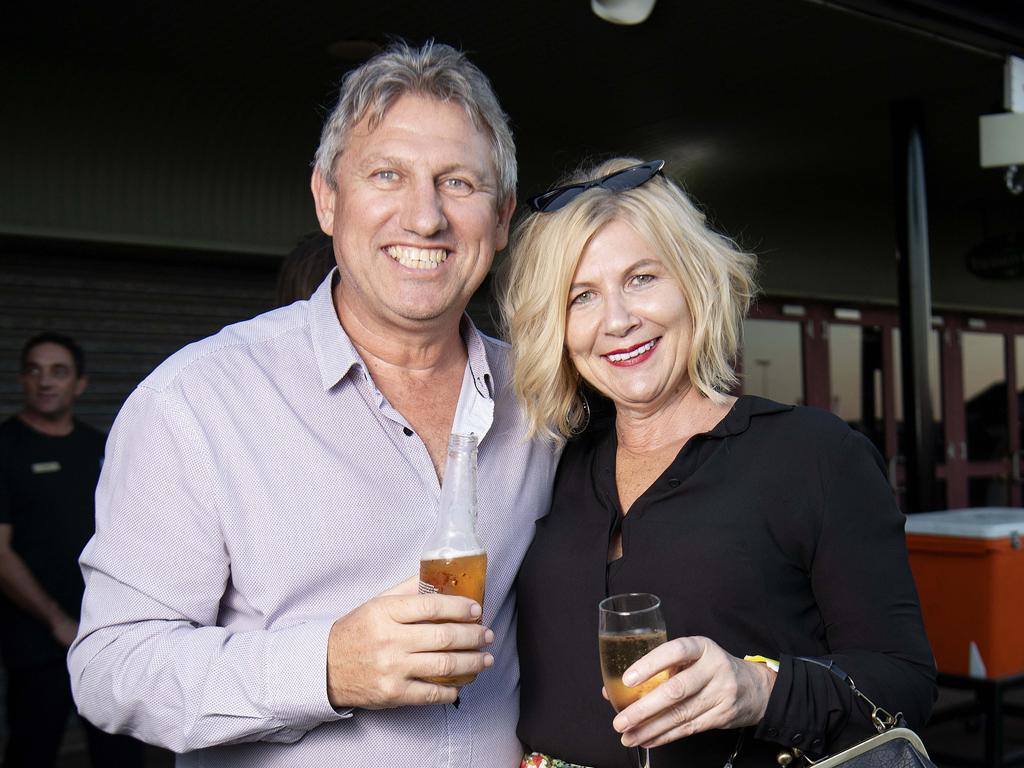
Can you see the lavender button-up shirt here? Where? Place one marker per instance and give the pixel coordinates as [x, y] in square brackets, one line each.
[256, 487]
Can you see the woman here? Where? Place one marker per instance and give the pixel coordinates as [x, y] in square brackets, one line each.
[767, 530]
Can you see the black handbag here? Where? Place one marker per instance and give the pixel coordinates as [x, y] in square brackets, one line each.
[894, 746]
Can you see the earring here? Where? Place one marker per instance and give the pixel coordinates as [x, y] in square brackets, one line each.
[582, 427]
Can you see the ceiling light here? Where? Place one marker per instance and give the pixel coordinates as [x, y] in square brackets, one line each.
[623, 11]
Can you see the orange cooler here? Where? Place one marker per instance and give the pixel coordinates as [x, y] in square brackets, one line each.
[969, 568]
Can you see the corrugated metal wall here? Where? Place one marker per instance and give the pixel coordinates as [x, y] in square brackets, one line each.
[128, 308]
[116, 155]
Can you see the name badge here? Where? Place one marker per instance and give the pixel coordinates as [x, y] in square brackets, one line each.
[43, 467]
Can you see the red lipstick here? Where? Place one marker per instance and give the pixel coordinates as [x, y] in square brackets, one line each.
[627, 357]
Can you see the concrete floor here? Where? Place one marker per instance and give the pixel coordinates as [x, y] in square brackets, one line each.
[963, 739]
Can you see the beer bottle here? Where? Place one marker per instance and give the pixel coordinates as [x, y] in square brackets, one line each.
[454, 561]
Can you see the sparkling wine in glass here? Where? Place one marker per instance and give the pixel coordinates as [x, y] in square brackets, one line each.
[629, 626]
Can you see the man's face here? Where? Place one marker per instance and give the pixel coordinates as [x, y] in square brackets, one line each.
[414, 216]
[50, 381]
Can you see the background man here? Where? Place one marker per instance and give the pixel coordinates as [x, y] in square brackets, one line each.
[49, 465]
[281, 474]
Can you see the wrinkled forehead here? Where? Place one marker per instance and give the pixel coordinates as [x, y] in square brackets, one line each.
[424, 114]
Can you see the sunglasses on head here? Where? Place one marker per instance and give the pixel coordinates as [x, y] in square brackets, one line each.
[618, 181]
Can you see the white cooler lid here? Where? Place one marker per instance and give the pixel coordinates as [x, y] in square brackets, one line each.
[976, 523]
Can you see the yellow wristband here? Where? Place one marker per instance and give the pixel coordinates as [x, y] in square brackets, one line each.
[772, 664]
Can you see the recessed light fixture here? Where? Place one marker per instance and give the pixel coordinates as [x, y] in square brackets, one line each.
[626, 12]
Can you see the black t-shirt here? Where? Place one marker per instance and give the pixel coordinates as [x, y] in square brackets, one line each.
[775, 533]
[47, 495]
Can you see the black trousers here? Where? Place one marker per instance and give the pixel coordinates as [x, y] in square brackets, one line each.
[38, 706]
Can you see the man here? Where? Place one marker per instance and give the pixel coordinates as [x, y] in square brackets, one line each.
[49, 465]
[264, 487]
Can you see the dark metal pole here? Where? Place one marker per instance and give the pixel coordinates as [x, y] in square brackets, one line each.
[915, 304]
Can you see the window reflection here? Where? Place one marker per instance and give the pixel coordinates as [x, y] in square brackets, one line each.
[985, 413]
[772, 364]
[934, 392]
[1019, 368]
[855, 373]
[985, 396]
[988, 492]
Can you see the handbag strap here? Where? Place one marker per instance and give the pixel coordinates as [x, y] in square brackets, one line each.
[880, 718]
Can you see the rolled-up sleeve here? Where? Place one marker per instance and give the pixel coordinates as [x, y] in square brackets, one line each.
[150, 659]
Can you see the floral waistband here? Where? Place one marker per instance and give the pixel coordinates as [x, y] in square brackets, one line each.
[538, 760]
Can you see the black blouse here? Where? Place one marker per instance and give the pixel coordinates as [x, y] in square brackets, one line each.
[775, 533]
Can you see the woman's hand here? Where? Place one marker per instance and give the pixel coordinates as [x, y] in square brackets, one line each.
[709, 689]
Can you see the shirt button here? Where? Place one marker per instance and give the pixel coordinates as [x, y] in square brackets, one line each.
[408, 432]
[816, 743]
[674, 482]
[773, 731]
[797, 738]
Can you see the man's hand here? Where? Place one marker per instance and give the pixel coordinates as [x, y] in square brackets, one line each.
[709, 689]
[378, 655]
[24, 590]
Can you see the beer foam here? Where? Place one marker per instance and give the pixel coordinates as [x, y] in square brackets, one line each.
[450, 553]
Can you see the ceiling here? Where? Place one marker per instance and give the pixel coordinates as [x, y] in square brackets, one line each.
[775, 113]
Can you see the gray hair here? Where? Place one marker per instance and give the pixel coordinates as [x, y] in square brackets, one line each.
[435, 70]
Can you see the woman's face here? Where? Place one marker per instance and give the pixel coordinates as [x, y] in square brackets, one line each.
[628, 329]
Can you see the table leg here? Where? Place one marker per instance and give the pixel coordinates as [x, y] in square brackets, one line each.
[991, 696]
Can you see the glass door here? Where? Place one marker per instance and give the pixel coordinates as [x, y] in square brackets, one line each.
[856, 374]
[1017, 417]
[939, 393]
[985, 447]
[772, 364]
[989, 412]
[847, 360]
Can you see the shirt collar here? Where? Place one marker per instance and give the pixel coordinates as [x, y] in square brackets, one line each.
[477, 353]
[736, 422]
[743, 410]
[336, 355]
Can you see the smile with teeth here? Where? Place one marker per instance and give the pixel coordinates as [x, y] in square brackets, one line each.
[619, 357]
[417, 258]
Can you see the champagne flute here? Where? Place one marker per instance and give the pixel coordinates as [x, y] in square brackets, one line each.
[629, 626]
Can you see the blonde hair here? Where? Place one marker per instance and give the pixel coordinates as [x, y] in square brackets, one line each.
[714, 275]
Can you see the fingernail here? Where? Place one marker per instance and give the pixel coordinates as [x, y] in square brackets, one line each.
[620, 724]
[629, 678]
[488, 660]
[627, 741]
[488, 637]
[475, 610]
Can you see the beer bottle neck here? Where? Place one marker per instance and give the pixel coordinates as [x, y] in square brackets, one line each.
[456, 514]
